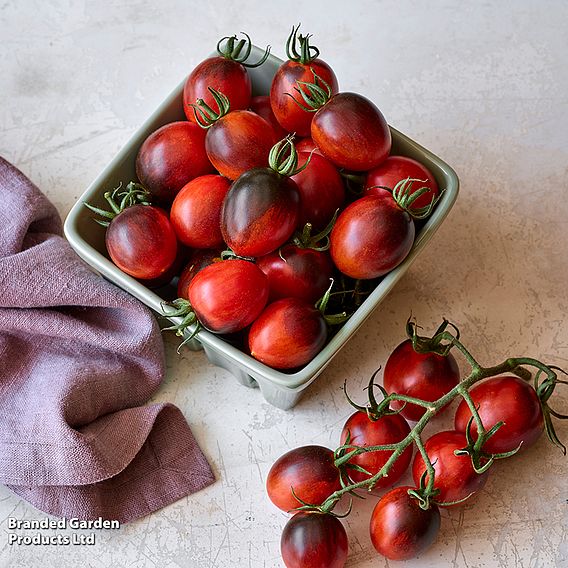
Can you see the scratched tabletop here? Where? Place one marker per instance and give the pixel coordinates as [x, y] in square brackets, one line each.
[485, 87]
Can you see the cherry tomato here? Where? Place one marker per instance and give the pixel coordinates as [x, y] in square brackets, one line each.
[287, 334]
[239, 141]
[198, 259]
[371, 236]
[297, 272]
[141, 241]
[399, 528]
[396, 168]
[351, 132]
[313, 540]
[196, 212]
[388, 429]
[261, 105]
[227, 296]
[455, 477]
[321, 190]
[426, 376]
[221, 74]
[309, 470]
[171, 157]
[260, 212]
[508, 399]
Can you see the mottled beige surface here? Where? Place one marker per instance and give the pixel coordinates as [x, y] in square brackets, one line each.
[484, 86]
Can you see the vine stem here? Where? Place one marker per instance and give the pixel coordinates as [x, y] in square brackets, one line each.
[478, 373]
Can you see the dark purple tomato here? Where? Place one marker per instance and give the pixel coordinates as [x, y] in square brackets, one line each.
[371, 236]
[288, 334]
[141, 241]
[295, 272]
[508, 399]
[455, 477]
[388, 429]
[313, 540]
[239, 141]
[307, 145]
[426, 376]
[198, 259]
[221, 74]
[171, 157]
[321, 190]
[292, 117]
[227, 296]
[397, 168]
[309, 470]
[399, 528]
[351, 132]
[260, 212]
[261, 105]
[196, 212]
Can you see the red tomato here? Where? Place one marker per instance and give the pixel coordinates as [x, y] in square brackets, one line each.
[196, 212]
[397, 168]
[289, 333]
[307, 145]
[260, 212]
[141, 242]
[239, 141]
[297, 272]
[388, 429]
[261, 105]
[198, 260]
[309, 470]
[508, 399]
[426, 376]
[227, 296]
[313, 540]
[371, 236]
[171, 157]
[455, 477]
[221, 74]
[399, 528]
[351, 132]
[321, 190]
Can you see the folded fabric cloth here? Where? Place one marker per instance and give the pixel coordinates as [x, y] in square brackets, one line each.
[78, 358]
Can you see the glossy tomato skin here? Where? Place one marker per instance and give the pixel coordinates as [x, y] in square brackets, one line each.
[388, 429]
[371, 236]
[260, 212]
[297, 272]
[351, 132]
[426, 376]
[261, 105]
[198, 259]
[292, 117]
[508, 399]
[307, 145]
[227, 296]
[399, 528]
[397, 168]
[455, 477]
[309, 470]
[288, 334]
[239, 141]
[196, 211]
[221, 74]
[321, 190]
[171, 157]
[312, 540]
[141, 242]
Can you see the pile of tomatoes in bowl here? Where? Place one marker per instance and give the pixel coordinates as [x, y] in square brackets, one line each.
[268, 212]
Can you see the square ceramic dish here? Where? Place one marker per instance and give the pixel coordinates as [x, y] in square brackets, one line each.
[280, 389]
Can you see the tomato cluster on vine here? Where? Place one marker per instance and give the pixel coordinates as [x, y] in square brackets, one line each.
[257, 205]
[500, 413]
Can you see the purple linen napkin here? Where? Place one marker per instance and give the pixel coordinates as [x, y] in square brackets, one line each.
[78, 356]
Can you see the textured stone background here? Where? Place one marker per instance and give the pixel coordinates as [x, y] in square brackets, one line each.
[484, 86]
